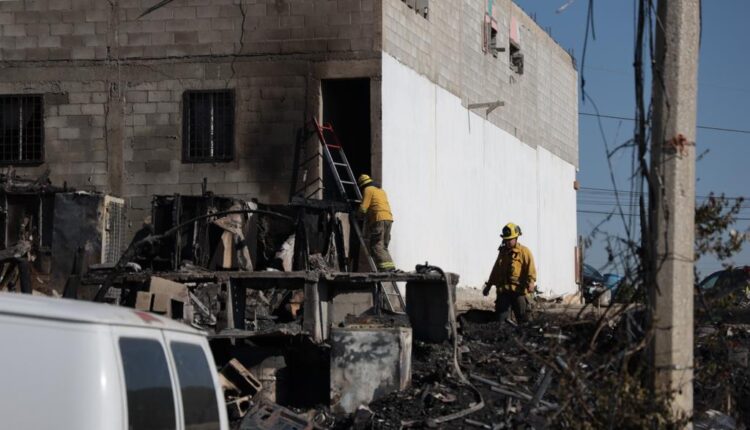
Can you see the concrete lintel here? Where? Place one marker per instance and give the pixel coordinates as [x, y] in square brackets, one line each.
[342, 69]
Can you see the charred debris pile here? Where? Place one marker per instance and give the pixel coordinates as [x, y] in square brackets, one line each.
[46, 231]
[284, 292]
[306, 336]
[562, 370]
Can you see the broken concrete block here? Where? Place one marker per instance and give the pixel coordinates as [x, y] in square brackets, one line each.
[368, 363]
[236, 377]
[272, 373]
[238, 407]
[270, 416]
[143, 301]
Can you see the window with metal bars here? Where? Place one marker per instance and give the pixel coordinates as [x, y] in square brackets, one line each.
[21, 129]
[208, 126]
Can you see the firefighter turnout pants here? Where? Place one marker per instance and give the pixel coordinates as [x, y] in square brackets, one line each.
[379, 236]
[507, 300]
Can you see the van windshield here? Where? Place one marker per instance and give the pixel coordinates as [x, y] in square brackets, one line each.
[148, 385]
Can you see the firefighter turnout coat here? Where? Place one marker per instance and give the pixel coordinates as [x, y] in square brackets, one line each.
[375, 205]
[514, 270]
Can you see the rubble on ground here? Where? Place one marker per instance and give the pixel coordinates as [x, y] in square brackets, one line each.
[548, 374]
[304, 339]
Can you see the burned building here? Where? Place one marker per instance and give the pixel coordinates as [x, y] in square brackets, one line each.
[466, 111]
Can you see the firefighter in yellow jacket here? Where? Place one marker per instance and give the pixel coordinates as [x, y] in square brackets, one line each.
[378, 220]
[513, 275]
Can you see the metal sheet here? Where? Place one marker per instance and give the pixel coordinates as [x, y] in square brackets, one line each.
[367, 364]
[78, 223]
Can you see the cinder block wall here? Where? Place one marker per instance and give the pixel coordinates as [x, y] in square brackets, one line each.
[113, 82]
[42, 30]
[541, 106]
[113, 85]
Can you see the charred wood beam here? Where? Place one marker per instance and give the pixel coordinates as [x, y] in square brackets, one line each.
[355, 277]
[333, 205]
[262, 279]
[253, 280]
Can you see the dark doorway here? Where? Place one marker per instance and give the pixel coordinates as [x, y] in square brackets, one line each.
[346, 105]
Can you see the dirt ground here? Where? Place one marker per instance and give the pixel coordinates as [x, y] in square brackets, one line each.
[471, 298]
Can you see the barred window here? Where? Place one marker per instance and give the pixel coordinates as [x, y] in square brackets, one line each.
[208, 126]
[21, 129]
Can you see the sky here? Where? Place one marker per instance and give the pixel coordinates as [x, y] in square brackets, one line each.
[723, 92]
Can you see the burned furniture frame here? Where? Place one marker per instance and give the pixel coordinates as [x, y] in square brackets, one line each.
[225, 302]
[319, 271]
[63, 228]
[192, 243]
[26, 215]
[329, 297]
[282, 314]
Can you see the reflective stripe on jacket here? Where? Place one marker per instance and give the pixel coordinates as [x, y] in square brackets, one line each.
[514, 269]
[375, 205]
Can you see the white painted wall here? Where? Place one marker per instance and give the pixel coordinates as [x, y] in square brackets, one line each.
[454, 179]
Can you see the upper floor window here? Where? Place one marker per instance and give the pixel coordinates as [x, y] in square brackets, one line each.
[491, 40]
[208, 126]
[21, 129]
[421, 7]
[515, 56]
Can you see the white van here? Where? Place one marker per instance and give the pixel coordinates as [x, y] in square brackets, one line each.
[72, 365]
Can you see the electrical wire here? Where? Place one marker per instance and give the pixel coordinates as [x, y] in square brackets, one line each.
[607, 191]
[702, 127]
[584, 211]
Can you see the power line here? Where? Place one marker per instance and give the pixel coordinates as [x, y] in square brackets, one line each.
[614, 213]
[624, 200]
[600, 199]
[702, 127]
[608, 191]
[629, 73]
[611, 202]
[583, 211]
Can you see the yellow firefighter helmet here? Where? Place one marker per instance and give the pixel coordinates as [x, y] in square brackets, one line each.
[363, 180]
[511, 231]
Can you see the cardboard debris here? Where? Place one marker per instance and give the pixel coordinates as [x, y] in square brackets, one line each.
[144, 301]
[164, 293]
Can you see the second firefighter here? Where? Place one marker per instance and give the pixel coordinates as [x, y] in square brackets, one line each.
[514, 276]
[378, 222]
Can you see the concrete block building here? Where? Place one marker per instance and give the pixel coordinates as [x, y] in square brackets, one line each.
[465, 110]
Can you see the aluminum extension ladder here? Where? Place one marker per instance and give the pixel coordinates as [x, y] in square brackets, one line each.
[343, 176]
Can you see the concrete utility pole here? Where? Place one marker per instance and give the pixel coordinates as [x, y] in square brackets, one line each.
[675, 81]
